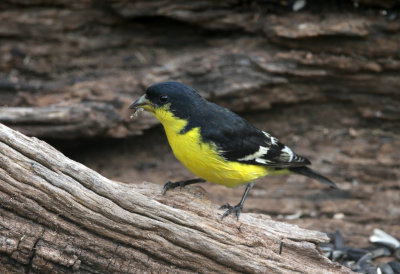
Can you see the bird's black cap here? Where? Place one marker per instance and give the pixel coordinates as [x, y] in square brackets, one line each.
[182, 98]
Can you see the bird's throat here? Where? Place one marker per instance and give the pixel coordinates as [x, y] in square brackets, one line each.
[171, 123]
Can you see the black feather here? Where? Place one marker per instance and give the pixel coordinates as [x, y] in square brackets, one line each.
[312, 174]
[234, 137]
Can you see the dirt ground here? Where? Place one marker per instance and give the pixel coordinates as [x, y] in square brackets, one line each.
[363, 161]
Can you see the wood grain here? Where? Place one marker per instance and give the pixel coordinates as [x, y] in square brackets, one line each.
[248, 55]
[58, 215]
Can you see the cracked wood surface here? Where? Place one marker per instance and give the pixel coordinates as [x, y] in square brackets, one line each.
[58, 215]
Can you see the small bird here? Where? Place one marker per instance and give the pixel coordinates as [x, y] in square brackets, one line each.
[216, 144]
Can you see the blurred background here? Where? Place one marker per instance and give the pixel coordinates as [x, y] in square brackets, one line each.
[322, 76]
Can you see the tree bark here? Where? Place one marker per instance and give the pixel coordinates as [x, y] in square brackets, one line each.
[60, 216]
[75, 56]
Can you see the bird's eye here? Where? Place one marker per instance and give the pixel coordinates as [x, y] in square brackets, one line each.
[164, 99]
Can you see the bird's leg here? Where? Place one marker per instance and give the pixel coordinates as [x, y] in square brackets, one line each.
[237, 208]
[172, 185]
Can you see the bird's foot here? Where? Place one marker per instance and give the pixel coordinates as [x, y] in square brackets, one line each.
[232, 209]
[171, 185]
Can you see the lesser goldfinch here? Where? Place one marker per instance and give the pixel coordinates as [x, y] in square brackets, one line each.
[216, 144]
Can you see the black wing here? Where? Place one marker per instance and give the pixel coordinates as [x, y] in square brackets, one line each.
[238, 140]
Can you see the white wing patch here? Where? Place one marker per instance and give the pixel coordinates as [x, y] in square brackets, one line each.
[261, 152]
[274, 141]
[289, 152]
[262, 161]
[285, 156]
[267, 134]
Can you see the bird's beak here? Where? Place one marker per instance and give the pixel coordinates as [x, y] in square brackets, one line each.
[141, 102]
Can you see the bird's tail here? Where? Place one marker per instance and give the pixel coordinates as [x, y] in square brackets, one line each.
[312, 174]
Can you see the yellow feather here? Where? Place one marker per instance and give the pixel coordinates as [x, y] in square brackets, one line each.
[203, 159]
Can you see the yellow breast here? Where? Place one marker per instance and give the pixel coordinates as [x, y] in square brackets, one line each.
[201, 158]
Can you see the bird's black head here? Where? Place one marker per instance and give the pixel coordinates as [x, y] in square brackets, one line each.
[170, 97]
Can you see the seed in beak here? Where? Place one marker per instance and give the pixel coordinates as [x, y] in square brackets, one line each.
[135, 113]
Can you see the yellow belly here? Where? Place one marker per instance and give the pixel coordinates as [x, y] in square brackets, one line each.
[202, 158]
[203, 161]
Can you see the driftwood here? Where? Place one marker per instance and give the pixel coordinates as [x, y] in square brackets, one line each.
[58, 215]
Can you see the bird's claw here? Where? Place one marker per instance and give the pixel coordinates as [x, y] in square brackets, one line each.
[231, 209]
[168, 185]
[171, 185]
[225, 206]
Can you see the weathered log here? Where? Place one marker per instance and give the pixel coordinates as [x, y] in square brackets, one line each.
[85, 119]
[58, 215]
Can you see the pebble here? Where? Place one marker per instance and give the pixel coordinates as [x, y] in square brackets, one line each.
[361, 260]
